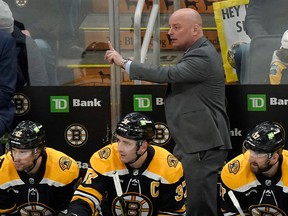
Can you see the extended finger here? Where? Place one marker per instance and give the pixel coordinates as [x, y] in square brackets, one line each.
[106, 55]
[110, 46]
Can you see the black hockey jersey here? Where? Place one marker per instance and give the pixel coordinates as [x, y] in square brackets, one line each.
[256, 194]
[157, 188]
[47, 193]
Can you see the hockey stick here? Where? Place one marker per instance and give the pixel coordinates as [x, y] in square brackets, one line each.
[235, 202]
[119, 192]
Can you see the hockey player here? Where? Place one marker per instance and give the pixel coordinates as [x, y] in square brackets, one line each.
[279, 62]
[258, 177]
[131, 177]
[35, 180]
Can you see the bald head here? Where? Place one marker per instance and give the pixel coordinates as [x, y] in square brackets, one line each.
[189, 15]
[185, 28]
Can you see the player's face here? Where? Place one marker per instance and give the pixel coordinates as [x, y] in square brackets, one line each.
[22, 158]
[127, 149]
[259, 162]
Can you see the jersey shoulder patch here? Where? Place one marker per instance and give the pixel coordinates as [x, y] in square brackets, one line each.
[236, 173]
[168, 163]
[66, 170]
[234, 166]
[107, 159]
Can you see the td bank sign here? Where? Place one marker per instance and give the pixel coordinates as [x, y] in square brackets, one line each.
[258, 102]
[62, 103]
[144, 102]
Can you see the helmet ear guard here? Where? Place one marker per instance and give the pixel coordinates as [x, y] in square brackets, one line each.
[267, 137]
[136, 126]
[27, 135]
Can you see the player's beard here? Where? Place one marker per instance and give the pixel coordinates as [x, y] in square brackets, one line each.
[25, 166]
[256, 169]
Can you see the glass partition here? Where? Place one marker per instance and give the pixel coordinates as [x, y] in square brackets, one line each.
[66, 40]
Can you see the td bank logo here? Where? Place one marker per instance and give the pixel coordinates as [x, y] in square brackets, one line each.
[59, 104]
[142, 102]
[256, 102]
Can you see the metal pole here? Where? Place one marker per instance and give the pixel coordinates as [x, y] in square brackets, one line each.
[176, 5]
[115, 94]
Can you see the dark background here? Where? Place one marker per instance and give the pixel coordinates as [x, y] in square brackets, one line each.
[97, 120]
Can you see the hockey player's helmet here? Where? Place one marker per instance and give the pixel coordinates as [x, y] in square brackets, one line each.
[27, 135]
[136, 126]
[267, 137]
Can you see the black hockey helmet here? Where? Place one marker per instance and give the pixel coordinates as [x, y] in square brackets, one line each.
[27, 135]
[267, 137]
[136, 126]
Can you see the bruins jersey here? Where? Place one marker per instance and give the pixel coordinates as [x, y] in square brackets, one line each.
[277, 68]
[256, 194]
[46, 193]
[157, 188]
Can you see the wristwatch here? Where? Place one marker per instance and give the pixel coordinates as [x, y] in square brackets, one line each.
[123, 62]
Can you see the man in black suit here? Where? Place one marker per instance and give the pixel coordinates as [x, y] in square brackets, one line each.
[194, 107]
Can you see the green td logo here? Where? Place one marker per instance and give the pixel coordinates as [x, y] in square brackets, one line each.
[256, 102]
[142, 102]
[59, 104]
